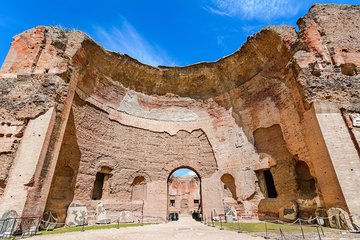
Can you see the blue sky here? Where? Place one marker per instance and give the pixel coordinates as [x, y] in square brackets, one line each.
[183, 172]
[157, 32]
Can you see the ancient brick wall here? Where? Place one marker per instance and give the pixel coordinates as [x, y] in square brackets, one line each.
[246, 123]
[23, 98]
[184, 194]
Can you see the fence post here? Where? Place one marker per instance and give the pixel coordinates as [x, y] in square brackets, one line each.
[238, 222]
[221, 226]
[317, 229]
[302, 231]
[282, 235]
[266, 232]
[142, 213]
[83, 225]
[322, 231]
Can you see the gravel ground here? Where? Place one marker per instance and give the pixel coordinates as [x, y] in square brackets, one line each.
[184, 229]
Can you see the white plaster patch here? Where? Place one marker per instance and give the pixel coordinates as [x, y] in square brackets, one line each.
[131, 106]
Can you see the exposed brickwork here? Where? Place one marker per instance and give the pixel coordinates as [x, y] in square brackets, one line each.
[119, 127]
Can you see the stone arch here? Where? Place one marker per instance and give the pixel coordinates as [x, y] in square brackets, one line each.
[229, 186]
[186, 191]
[137, 179]
[187, 167]
[104, 166]
[138, 189]
[139, 173]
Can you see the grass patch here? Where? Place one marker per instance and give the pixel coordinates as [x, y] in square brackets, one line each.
[94, 227]
[271, 227]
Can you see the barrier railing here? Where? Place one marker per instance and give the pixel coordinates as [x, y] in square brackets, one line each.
[19, 226]
[316, 222]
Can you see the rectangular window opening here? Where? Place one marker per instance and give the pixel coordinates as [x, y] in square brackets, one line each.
[98, 186]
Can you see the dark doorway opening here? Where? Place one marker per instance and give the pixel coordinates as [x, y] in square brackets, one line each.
[270, 185]
[98, 186]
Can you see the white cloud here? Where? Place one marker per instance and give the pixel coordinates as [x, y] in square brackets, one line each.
[256, 9]
[216, 11]
[190, 173]
[126, 39]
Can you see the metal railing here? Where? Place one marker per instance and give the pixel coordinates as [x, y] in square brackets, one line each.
[19, 226]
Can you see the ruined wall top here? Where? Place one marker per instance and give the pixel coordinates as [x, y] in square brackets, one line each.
[328, 39]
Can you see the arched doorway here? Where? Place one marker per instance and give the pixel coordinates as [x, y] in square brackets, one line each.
[184, 194]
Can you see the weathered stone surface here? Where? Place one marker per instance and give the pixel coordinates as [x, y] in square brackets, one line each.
[339, 219]
[76, 215]
[272, 123]
[329, 37]
[289, 212]
[9, 214]
[230, 214]
[214, 215]
[355, 118]
[126, 217]
[10, 224]
[101, 216]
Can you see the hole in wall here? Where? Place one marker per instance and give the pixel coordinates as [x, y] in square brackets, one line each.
[348, 69]
[98, 186]
[229, 186]
[138, 191]
[306, 183]
[270, 185]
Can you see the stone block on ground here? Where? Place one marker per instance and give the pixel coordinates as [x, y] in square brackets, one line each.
[8, 225]
[289, 212]
[338, 218]
[76, 215]
[231, 214]
[101, 217]
[214, 215]
[126, 217]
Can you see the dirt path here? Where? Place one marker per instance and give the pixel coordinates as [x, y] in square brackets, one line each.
[184, 229]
